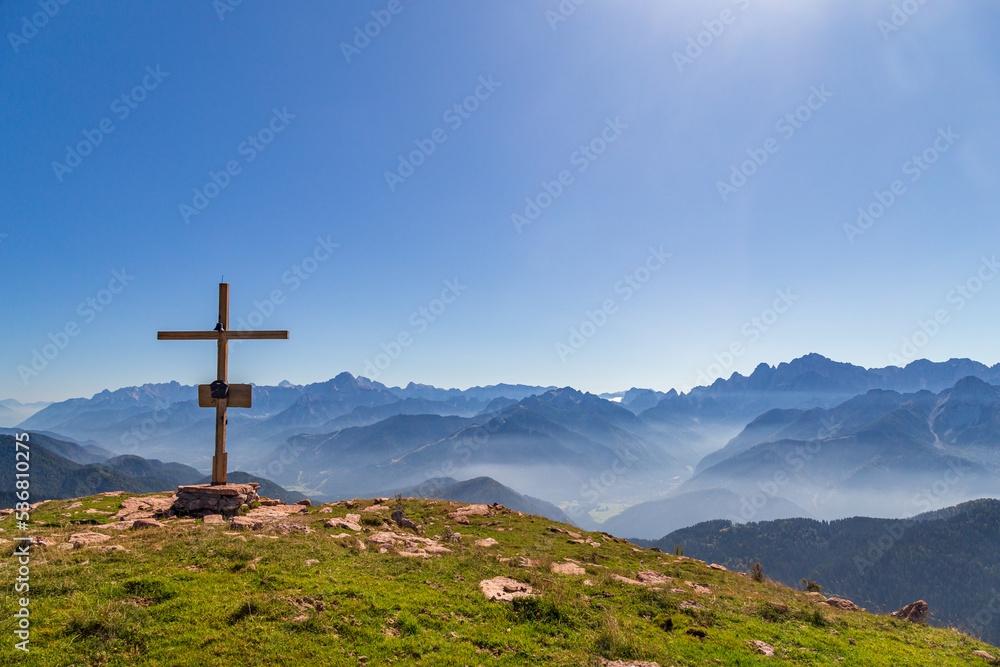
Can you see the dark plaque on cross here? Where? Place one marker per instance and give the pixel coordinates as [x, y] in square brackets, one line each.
[220, 394]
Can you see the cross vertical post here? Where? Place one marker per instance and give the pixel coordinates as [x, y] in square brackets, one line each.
[220, 394]
[219, 459]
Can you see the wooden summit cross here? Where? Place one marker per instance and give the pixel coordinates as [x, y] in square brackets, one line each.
[219, 394]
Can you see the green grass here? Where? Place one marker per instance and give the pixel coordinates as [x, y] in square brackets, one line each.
[193, 595]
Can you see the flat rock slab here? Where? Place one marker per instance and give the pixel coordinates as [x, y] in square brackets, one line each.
[653, 578]
[144, 507]
[567, 568]
[146, 523]
[213, 518]
[471, 510]
[504, 588]
[488, 542]
[341, 523]
[627, 663]
[220, 490]
[406, 545]
[375, 508]
[83, 539]
[762, 648]
[118, 525]
[276, 512]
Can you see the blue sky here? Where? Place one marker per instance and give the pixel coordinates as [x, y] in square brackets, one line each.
[642, 109]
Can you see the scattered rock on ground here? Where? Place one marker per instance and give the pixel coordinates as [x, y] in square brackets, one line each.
[631, 663]
[305, 501]
[144, 507]
[716, 566]
[626, 580]
[984, 655]
[488, 542]
[79, 540]
[504, 588]
[470, 510]
[690, 604]
[285, 528]
[275, 512]
[146, 523]
[375, 508]
[245, 523]
[111, 547]
[213, 518]
[653, 578]
[402, 521]
[567, 568]
[700, 589]
[406, 545]
[341, 523]
[763, 648]
[841, 603]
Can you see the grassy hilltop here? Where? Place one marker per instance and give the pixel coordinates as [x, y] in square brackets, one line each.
[286, 589]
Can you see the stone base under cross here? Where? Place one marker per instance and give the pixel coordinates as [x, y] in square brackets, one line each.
[201, 499]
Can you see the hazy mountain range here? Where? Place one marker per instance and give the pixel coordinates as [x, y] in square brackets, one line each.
[14, 412]
[811, 437]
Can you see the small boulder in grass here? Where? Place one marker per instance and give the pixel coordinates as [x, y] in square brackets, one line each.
[78, 540]
[146, 523]
[305, 501]
[504, 588]
[567, 568]
[915, 612]
[245, 523]
[762, 648]
[841, 603]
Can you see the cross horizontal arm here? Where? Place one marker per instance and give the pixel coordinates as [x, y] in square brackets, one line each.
[187, 335]
[251, 335]
[229, 335]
